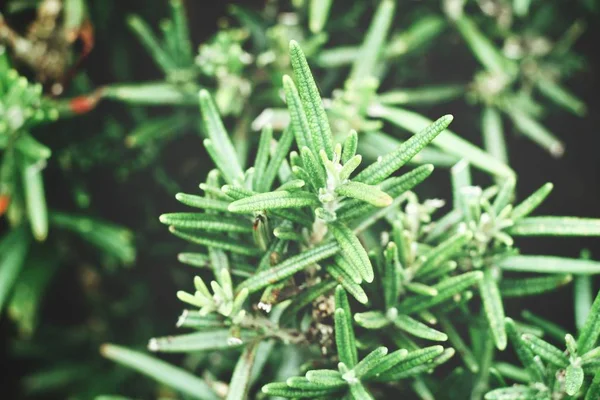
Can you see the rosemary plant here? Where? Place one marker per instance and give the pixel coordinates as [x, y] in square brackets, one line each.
[321, 272]
[284, 235]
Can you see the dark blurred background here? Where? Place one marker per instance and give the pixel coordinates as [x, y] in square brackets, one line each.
[129, 201]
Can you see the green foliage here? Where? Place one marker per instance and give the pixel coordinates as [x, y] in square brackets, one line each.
[552, 372]
[23, 198]
[320, 271]
[423, 273]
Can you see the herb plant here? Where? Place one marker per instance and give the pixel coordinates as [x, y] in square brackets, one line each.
[303, 236]
[325, 268]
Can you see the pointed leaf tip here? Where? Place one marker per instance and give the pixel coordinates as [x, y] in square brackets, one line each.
[204, 94]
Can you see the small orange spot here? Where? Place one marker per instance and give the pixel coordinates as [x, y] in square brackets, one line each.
[83, 104]
[4, 202]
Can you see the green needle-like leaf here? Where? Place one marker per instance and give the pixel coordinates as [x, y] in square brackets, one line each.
[385, 363]
[417, 36]
[447, 140]
[413, 359]
[391, 162]
[13, 250]
[505, 194]
[35, 199]
[349, 269]
[350, 145]
[517, 392]
[313, 167]
[281, 389]
[549, 265]
[532, 286]
[371, 319]
[352, 250]
[349, 167]
[277, 160]
[27, 294]
[226, 156]
[289, 267]
[238, 193]
[370, 361]
[524, 353]
[311, 100]
[31, 148]
[545, 350]
[274, 201]
[390, 276]
[483, 49]
[298, 121]
[561, 96]
[112, 239]
[593, 391]
[151, 43]
[444, 251]
[420, 288]
[371, 144]
[219, 242]
[202, 202]
[292, 185]
[446, 289]
[588, 336]
[459, 344]
[556, 226]
[181, 28]
[493, 134]
[348, 283]
[372, 46]
[532, 202]
[583, 298]
[155, 129]
[425, 95]
[573, 380]
[192, 319]
[460, 175]
[344, 334]
[393, 186]
[494, 310]
[553, 330]
[326, 377]
[161, 371]
[206, 222]
[536, 132]
[418, 329]
[367, 193]
[359, 392]
[318, 14]
[240, 380]
[262, 157]
[150, 94]
[198, 341]
[300, 382]
[444, 269]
